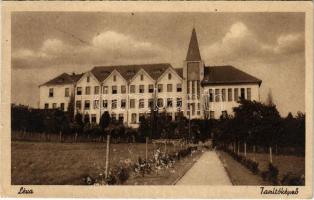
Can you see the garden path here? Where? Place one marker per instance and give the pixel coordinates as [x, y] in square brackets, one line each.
[208, 170]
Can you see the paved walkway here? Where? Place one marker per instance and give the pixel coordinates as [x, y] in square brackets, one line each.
[208, 170]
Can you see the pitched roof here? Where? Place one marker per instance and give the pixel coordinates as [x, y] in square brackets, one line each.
[193, 51]
[179, 71]
[129, 71]
[64, 78]
[227, 75]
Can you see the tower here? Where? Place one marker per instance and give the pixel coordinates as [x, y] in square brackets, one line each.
[193, 73]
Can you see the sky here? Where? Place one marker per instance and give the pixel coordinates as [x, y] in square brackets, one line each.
[269, 46]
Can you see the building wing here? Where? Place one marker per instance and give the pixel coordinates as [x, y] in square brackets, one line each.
[227, 75]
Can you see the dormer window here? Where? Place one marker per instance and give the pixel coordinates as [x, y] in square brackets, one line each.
[169, 76]
[87, 79]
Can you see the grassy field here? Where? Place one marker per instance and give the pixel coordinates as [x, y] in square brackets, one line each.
[285, 163]
[67, 163]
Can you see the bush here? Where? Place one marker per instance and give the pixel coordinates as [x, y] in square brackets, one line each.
[292, 179]
[271, 174]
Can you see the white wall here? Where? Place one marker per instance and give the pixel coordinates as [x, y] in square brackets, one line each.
[218, 107]
[58, 95]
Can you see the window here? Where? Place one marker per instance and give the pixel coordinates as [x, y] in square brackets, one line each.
[96, 90]
[87, 105]
[198, 112]
[123, 103]
[132, 103]
[193, 87]
[198, 89]
[223, 94]
[67, 92]
[46, 105]
[62, 106]
[142, 77]
[169, 87]
[150, 88]
[121, 117]
[123, 89]
[160, 102]
[54, 106]
[160, 87]
[114, 78]
[217, 95]
[169, 76]
[87, 90]
[151, 103]
[169, 102]
[87, 79]
[79, 105]
[198, 106]
[141, 103]
[236, 96]
[105, 104]
[93, 116]
[105, 90]
[242, 93]
[96, 104]
[50, 92]
[188, 87]
[229, 94]
[114, 89]
[248, 94]
[113, 116]
[212, 114]
[133, 118]
[224, 113]
[211, 96]
[179, 102]
[193, 108]
[132, 88]
[179, 87]
[114, 104]
[141, 89]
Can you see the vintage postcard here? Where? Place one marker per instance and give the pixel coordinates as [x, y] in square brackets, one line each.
[157, 99]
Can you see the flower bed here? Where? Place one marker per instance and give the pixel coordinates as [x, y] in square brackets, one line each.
[120, 173]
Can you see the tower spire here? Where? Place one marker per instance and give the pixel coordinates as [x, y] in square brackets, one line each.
[193, 51]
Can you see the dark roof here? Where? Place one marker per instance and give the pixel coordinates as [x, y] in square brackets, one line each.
[193, 51]
[128, 71]
[64, 78]
[227, 75]
[179, 71]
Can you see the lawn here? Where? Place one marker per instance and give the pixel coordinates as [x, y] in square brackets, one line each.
[285, 163]
[67, 163]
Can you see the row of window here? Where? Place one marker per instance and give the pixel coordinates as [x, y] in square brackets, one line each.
[133, 89]
[229, 94]
[141, 103]
[55, 106]
[66, 92]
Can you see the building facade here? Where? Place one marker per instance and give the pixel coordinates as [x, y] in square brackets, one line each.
[130, 91]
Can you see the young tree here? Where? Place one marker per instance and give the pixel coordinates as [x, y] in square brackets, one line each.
[105, 120]
[71, 108]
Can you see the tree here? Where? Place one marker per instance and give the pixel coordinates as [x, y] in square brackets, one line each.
[71, 109]
[105, 120]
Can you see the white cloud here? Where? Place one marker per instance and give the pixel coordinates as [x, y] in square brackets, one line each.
[108, 47]
[239, 43]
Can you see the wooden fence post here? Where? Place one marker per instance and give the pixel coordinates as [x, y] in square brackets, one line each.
[270, 155]
[107, 156]
[60, 136]
[245, 149]
[146, 151]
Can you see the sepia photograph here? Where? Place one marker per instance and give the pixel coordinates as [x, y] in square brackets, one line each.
[130, 98]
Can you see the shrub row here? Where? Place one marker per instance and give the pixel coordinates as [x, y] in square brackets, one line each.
[120, 173]
[248, 163]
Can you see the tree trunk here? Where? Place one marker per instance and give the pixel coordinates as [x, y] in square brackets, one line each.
[270, 155]
[107, 155]
[146, 150]
[254, 152]
[245, 149]
[60, 136]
